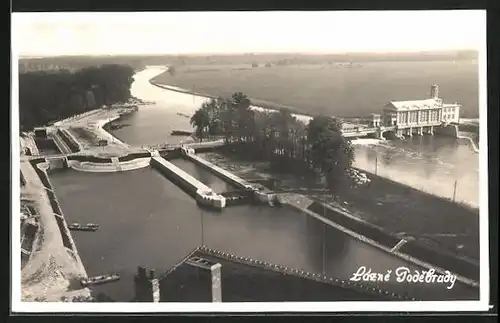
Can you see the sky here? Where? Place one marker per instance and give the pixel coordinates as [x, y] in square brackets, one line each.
[53, 34]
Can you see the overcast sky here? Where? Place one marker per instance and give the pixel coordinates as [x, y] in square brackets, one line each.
[48, 34]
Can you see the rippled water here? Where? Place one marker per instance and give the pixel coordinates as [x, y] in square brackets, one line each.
[430, 164]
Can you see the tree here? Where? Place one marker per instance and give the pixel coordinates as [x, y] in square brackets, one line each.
[331, 153]
[200, 121]
[52, 95]
[279, 137]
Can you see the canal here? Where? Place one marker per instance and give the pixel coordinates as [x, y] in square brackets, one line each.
[146, 220]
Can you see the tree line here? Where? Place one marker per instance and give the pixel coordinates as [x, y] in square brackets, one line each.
[48, 96]
[317, 147]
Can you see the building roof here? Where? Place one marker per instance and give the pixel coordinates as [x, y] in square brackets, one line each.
[245, 279]
[415, 104]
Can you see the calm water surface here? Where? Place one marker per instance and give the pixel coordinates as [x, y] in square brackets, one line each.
[432, 164]
[146, 220]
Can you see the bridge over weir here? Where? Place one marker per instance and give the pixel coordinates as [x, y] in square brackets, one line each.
[363, 132]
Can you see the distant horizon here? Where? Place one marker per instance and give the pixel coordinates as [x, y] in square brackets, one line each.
[443, 51]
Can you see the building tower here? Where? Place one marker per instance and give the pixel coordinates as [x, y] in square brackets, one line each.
[434, 91]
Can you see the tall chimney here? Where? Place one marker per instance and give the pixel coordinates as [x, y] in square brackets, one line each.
[434, 91]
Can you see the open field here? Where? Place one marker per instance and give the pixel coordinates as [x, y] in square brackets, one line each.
[334, 89]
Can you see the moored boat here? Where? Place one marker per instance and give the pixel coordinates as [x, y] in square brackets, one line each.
[83, 227]
[103, 279]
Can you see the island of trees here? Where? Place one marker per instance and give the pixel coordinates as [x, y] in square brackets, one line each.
[315, 148]
[48, 96]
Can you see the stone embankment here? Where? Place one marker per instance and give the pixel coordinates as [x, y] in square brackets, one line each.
[366, 233]
[53, 270]
[203, 194]
[260, 193]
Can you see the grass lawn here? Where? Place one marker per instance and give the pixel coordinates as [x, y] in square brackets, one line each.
[332, 89]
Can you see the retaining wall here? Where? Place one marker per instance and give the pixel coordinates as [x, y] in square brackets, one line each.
[56, 209]
[227, 176]
[90, 159]
[367, 229]
[413, 249]
[203, 194]
[68, 140]
[441, 259]
[132, 156]
[56, 163]
[260, 193]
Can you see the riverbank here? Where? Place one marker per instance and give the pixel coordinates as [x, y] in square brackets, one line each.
[52, 272]
[396, 208]
[54, 267]
[256, 103]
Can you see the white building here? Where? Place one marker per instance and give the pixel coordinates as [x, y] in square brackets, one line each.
[420, 116]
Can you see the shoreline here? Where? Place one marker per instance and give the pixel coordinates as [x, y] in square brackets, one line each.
[99, 125]
[277, 108]
[470, 141]
[255, 170]
[52, 269]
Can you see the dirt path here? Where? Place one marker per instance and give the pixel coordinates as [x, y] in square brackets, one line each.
[51, 273]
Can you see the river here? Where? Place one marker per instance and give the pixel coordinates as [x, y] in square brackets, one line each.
[146, 220]
[431, 164]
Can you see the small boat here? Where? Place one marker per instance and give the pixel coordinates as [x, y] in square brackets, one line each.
[181, 133]
[98, 280]
[83, 227]
[183, 115]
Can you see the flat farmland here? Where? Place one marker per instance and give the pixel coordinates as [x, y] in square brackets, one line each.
[334, 89]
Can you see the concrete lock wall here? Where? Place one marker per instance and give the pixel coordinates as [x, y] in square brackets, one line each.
[202, 193]
[264, 196]
[56, 163]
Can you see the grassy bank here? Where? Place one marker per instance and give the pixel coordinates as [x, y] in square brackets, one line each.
[333, 90]
[398, 209]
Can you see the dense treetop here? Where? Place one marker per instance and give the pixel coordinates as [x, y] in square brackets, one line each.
[318, 147]
[49, 96]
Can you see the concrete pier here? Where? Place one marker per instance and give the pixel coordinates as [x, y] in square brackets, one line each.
[203, 194]
[259, 192]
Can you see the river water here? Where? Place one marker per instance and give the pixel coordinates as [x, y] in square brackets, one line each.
[430, 163]
[146, 220]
